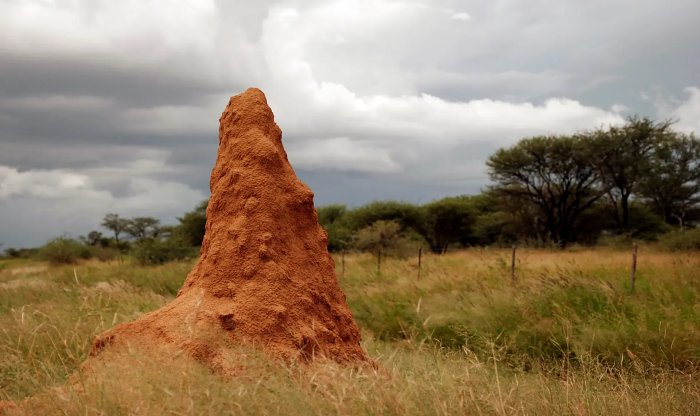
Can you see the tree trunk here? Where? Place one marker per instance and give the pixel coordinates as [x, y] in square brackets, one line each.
[624, 204]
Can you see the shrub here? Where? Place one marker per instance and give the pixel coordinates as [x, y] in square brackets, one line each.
[339, 237]
[447, 221]
[405, 214]
[681, 240]
[333, 218]
[494, 228]
[192, 225]
[154, 251]
[64, 250]
[387, 237]
[21, 253]
[104, 253]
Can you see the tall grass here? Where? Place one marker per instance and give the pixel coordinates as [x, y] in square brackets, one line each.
[565, 305]
[567, 338]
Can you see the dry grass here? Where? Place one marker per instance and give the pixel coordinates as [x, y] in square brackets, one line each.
[568, 338]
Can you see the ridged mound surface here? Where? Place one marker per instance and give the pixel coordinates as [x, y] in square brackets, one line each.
[264, 276]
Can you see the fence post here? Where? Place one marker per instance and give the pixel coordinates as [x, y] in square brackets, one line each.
[379, 261]
[512, 265]
[633, 274]
[420, 255]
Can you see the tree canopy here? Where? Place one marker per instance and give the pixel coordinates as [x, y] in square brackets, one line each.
[553, 173]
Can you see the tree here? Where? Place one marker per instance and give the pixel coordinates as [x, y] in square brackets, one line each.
[380, 235]
[405, 214]
[193, 224]
[331, 214]
[333, 219]
[672, 184]
[143, 228]
[95, 239]
[553, 173]
[504, 219]
[447, 221]
[116, 224]
[623, 159]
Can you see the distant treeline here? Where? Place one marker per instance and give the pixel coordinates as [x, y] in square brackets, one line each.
[637, 181]
[142, 238]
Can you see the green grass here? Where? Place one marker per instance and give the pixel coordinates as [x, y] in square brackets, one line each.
[564, 305]
[568, 337]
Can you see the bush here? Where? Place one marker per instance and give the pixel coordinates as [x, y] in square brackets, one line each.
[333, 219]
[447, 221]
[154, 251]
[681, 240]
[104, 253]
[21, 253]
[193, 224]
[387, 237]
[405, 214]
[494, 228]
[64, 250]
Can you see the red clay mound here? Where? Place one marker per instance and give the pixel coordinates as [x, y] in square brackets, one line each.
[264, 276]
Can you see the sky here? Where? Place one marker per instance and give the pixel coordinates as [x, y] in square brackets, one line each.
[113, 106]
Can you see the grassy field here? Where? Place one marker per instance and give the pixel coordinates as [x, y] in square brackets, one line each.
[568, 337]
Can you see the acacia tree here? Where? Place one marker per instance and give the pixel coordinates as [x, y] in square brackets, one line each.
[553, 173]
[672, 184]
[143, 228]
[623, 159]
[446, 221]
[116, 224]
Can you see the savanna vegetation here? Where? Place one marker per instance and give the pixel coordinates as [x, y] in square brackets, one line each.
[567, 338]
[458, 336]
[639, 181]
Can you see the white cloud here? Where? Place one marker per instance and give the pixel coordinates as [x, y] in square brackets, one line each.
[41, 183]
[464, 17]
[619, 109]
[339, 129]
[341, 153]
[37, 204]
[687, 113]
[85, 27]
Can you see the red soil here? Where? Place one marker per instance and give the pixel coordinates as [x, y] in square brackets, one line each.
[264, 276]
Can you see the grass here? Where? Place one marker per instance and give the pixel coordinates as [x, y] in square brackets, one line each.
[564, 305]
[567, 338]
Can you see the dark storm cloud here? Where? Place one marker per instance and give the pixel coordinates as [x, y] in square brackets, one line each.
[31, 76]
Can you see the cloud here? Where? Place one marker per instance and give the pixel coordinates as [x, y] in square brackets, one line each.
[116, 103]
[341, 153]
[687, 113]
[41, 183]
[385, 132]
[464, 17]
[38, 204]
[50, 103]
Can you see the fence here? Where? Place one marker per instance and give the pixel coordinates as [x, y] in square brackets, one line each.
[513, 265]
